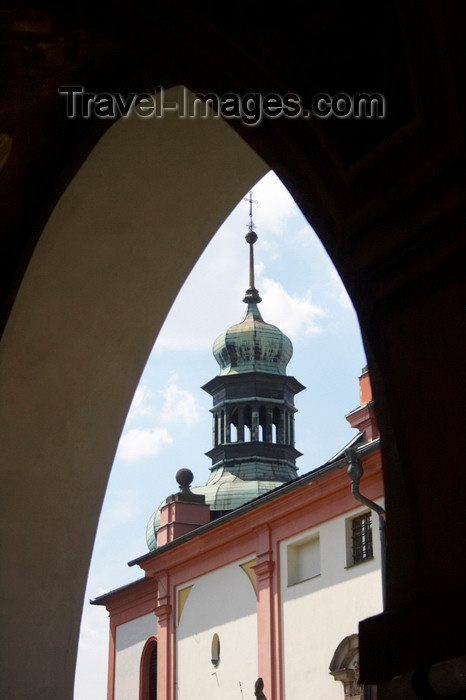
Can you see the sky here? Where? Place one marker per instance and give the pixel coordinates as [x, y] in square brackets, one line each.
[169, 425]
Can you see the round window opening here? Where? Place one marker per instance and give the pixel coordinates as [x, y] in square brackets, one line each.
[215, 654]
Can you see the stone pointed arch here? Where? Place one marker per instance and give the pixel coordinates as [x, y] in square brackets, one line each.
[109, 263]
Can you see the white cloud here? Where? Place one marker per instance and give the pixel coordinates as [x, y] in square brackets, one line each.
[304, 237]
[141, 404]
[294, 315]
[137, 443]
[210, 299]
[275, 205]
[89, 631]
[338, 290]
[90, 680]
[179, 404]
[124, 508]
[100, 591]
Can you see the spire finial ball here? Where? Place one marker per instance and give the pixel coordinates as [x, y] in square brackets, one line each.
[184, 477]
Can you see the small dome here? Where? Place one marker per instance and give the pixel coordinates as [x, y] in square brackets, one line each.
[152, 527]
[231, 492]
[253, 346]
[223, 492]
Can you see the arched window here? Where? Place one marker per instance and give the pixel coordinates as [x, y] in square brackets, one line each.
[234, 437]
[248, 424]
[148, 671]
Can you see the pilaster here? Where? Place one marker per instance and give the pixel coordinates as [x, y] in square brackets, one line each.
[165, 639]
[268, 663]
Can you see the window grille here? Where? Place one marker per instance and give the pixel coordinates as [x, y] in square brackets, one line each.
[362, 538]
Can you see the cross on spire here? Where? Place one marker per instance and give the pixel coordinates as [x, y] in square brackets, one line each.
[251, 202]
[252, 295]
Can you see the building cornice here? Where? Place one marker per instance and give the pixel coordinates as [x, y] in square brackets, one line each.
[124, 605]
[316, 496]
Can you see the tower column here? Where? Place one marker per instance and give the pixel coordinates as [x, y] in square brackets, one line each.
[240, 423]
[221, 428]
[268, 425]
[214, 430]
[287, 428]
[255, 424]
[281, 428]
[228, 425]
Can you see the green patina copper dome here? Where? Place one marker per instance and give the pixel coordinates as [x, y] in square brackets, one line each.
[253, 346]
[223, 492]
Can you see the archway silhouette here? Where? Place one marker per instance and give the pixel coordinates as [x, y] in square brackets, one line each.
[109, 263]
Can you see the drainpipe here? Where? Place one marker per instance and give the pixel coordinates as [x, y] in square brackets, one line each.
[355, 472]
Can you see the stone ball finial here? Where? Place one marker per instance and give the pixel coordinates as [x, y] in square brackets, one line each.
[184, 477]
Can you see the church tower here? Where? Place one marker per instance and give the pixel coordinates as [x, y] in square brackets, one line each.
[253, 410]
[253, 406]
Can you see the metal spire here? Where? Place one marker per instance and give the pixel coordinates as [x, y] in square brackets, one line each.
[252, 295]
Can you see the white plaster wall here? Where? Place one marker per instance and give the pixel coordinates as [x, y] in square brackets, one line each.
[318, 613]
[222, 602]
[129, 643]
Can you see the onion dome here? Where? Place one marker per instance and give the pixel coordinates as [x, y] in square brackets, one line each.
[253, 346]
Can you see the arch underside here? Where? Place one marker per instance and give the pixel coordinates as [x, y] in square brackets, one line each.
[110, 261]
